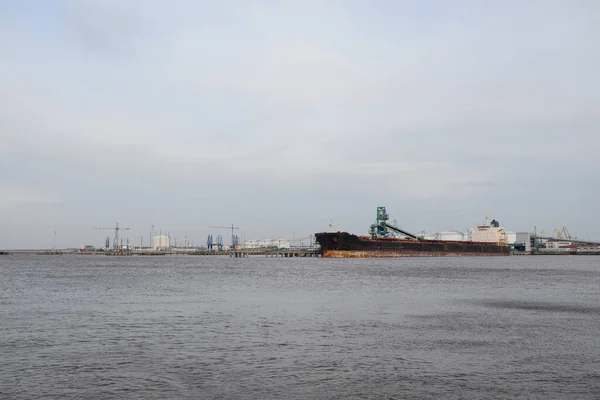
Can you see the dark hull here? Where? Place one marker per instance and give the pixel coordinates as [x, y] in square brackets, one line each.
[346, 245]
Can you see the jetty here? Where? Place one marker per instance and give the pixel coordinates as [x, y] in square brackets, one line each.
[283, 253]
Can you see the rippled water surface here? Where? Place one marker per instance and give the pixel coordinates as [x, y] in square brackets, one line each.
[188, 327]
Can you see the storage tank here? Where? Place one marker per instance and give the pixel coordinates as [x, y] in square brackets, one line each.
[265, 243]
[511, 237]
[160, 242]
[451, 236]
[251, 244]
[282, 243]
[425, 236]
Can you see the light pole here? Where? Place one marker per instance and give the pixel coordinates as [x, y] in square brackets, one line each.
[151, 230]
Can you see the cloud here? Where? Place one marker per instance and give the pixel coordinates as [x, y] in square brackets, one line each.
[11, 197]
[323, 108]
[105, 29]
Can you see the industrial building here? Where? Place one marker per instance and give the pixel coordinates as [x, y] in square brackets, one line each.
[523, 241]
[533, 243]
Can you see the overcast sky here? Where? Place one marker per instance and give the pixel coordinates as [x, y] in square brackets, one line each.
[281, 116]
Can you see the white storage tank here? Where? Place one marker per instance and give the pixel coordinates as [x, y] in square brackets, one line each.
[451, 236]
[265, 243]
[425, 236]
[251, 244]
[282, 243]
[160, 242]
[511, 237]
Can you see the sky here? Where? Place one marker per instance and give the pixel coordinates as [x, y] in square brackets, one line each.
[282, 117]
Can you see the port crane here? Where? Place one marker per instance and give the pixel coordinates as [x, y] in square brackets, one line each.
[234, 238]
[562, 233]
[116, 229]
[218, 243]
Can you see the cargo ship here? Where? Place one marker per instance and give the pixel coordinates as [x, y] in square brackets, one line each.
[386, 240]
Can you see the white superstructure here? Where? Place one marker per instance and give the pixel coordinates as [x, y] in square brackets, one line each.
[489, 232]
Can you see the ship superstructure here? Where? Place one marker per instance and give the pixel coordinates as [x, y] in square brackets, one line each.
[489, 232]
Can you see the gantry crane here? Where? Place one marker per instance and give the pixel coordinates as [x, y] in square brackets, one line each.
[116, 229]
[234, 238]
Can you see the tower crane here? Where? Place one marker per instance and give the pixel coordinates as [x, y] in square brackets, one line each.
[116, 229]
[234, 242]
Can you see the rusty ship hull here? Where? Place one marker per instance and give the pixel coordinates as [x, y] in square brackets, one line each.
[346, 245]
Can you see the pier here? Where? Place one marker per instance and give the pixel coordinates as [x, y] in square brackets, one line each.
[520, 253]
[287, 253]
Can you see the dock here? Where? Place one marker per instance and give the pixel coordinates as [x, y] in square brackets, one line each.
[287, 253]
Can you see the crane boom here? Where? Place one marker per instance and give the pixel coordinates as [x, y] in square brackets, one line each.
[403, 232]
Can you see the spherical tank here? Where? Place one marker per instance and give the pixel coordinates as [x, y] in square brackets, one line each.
[450, 235]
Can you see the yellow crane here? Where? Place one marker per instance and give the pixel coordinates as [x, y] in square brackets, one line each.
[562, 233]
